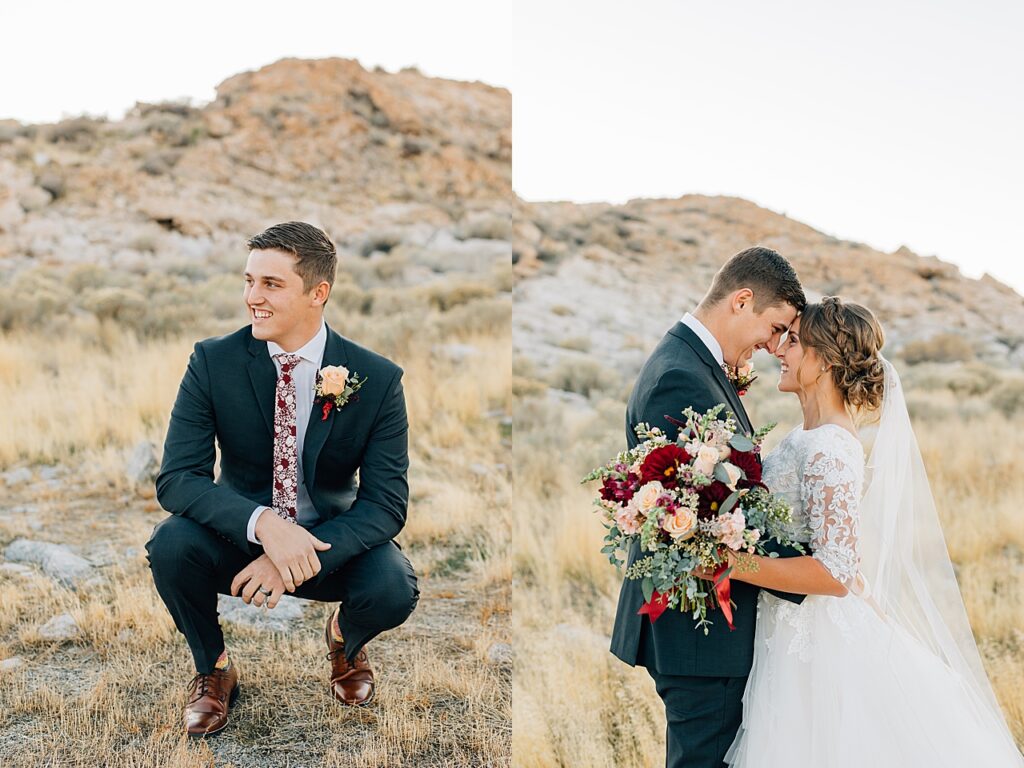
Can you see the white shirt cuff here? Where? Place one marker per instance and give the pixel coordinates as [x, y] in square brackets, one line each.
[250, 529]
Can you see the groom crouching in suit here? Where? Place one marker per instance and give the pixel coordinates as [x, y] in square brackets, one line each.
[296, 410]
[753, 300]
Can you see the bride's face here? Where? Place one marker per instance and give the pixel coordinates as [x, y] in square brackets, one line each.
[799, 363]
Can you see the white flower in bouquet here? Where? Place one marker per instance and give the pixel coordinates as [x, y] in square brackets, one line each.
[734, 473]
[680, 524]
[628, 519]
[707, 457]
[647, 496]
[730, 529]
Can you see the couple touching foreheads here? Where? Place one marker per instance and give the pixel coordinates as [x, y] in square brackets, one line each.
[857, 652]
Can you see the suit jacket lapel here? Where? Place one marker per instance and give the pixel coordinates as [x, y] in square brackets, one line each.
[685, 334]
[263, 375]
[319, 428]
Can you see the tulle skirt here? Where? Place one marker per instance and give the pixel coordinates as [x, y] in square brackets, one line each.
[834, 685]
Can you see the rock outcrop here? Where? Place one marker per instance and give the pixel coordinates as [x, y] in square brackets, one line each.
[607, 280]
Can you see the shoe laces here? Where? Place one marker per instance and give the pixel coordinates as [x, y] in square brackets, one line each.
[340, 651]
[202, 683]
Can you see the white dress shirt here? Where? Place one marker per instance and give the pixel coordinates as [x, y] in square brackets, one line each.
[704, 335]
[304, 374]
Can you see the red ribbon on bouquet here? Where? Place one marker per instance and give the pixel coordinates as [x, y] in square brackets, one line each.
[657, 606]
[723, 588]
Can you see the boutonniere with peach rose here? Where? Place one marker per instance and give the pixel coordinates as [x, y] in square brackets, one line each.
[335, 387]
[740, 377]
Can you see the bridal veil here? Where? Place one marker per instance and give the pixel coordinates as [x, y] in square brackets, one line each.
[904, 561]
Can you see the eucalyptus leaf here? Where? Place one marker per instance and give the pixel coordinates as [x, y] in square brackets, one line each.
[730, 502]
[741, 443]
[647, 585]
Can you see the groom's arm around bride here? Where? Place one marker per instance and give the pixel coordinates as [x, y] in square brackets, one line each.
[753, 299]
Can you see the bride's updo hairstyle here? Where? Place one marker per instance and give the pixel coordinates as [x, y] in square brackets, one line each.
[848, 339]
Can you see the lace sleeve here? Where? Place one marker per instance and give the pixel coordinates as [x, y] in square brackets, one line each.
[830, 489]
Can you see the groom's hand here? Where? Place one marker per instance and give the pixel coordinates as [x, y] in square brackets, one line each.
[261, 573]
[290, 547]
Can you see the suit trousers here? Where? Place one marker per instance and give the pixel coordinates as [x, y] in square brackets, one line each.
[192, 564]
[703, 715]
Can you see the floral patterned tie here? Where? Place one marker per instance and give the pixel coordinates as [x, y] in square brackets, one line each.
[286, 453]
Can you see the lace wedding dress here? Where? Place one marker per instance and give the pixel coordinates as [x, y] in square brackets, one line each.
[863, 680]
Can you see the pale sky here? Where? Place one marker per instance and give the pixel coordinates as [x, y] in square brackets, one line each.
[885, 122]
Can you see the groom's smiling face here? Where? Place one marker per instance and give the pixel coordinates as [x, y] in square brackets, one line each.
[280, 308]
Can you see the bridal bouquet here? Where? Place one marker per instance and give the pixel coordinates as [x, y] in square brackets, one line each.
[689, 503]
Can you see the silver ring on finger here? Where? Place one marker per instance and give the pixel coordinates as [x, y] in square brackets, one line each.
[266, 591]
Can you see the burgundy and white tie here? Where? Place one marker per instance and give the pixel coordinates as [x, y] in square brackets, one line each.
[286, 452]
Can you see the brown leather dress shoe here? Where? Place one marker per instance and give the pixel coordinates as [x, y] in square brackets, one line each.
[351, 682]
[210, 697]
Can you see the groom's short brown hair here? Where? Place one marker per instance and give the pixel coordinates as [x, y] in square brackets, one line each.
[764, 271]
[316, 259]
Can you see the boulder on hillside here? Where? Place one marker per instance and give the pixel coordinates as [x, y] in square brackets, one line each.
[56, 560]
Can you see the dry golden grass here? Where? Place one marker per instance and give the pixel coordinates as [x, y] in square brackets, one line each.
[85, 392]
[575, 704]
[82, 399]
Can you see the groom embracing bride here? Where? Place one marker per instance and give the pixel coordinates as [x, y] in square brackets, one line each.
[857, 653]
[753, 300]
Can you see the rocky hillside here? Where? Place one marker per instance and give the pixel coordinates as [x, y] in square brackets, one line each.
[367, 155]
[121, 243]
[608, 280]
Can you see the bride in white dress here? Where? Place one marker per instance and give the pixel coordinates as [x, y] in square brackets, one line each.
[877, 667]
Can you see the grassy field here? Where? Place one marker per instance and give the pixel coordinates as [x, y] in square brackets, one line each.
[81, 389]
[574, 703]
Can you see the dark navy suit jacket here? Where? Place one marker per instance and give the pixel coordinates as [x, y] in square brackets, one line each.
[227, 397]
[681, 372]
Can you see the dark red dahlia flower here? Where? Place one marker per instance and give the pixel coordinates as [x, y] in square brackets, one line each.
[711, 498]
[748, 462]
[662, 464]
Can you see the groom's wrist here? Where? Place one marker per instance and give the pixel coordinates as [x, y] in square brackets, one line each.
[254, 528]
